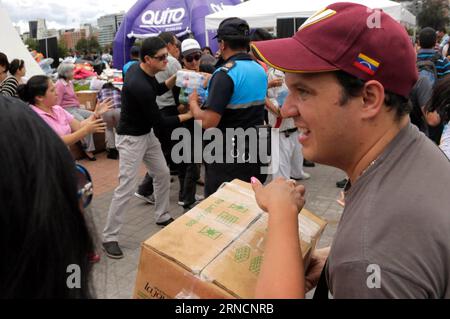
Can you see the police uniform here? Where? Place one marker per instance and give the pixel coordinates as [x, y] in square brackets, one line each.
[236, 91]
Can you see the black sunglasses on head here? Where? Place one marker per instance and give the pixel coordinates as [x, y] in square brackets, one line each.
[193, 57]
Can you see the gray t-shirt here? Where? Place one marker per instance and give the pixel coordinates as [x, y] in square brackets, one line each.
[393, 240]
[167, 98]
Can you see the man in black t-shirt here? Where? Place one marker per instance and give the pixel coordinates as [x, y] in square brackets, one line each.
[137, 143]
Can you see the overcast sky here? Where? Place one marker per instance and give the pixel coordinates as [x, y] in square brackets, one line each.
[62, 13]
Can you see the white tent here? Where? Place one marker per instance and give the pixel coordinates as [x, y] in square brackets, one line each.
[12, 45]
[264, 13]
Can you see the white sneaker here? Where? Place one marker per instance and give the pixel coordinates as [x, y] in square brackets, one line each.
[303, 178]
[149, 199]
[198, 198]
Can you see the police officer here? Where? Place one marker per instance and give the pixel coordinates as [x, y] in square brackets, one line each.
[235, 99]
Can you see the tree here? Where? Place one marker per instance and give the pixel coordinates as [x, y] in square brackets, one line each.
[82, 45]
[33, 44]
[62, 49]
[432, 15]
[93, 45]
[88, 45]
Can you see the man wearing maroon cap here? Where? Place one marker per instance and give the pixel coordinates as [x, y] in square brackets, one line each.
[351, 105]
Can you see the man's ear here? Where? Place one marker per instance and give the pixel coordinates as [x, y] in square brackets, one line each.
[373, 99]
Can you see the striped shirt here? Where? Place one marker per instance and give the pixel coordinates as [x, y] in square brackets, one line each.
[442, 63]
[9, 86]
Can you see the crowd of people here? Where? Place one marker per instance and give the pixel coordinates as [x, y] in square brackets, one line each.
[372, 106]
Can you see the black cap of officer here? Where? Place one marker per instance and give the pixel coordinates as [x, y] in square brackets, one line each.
[233, 29]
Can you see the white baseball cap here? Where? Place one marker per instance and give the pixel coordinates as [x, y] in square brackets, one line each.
[190, 46]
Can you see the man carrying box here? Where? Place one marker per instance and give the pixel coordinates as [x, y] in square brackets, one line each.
[350, 102]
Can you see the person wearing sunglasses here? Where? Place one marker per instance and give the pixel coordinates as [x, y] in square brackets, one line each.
[137, 143]
[43, 230]
[189, 171]
[167, 104]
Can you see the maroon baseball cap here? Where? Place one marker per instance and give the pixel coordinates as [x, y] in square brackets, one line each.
[365, 43]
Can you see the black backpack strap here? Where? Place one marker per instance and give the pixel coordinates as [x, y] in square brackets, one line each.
[322, 288]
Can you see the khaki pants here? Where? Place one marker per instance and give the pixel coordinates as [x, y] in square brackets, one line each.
[133, 150]
[291, 157]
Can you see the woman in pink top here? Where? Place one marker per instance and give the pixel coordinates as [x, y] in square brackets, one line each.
[40, 93]
[68, 100]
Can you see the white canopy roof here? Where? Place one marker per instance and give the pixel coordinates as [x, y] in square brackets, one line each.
[12, 45]
[264, 13]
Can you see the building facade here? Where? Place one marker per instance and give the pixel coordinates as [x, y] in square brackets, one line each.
[108, 26]
[72, 36]
[38, 29]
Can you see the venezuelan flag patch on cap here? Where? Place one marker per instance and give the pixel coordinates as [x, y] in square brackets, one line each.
[366, 64]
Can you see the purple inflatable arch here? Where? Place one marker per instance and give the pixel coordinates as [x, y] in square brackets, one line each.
[150, 17]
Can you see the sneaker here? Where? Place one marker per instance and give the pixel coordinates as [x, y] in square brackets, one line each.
[342, 183]
[307, 163]
[198, 198]
[149, 199]
[303, 178]
[112, 250]
[112, 153]
[167, 222]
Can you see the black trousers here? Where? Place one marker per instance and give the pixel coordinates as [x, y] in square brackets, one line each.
[189, 172]
[188, 176]
[216, 174]
[164, 135]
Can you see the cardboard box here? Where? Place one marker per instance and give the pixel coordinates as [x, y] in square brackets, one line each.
[88, 99]
[215, 250]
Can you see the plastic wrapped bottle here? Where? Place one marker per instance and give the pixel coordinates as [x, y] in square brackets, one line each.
[189, 79]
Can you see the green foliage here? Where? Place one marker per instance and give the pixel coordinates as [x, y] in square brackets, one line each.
[62, 50]
[433, 15]
[33, 44]
[88, 45]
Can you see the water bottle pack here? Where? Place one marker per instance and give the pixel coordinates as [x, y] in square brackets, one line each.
[188, 81]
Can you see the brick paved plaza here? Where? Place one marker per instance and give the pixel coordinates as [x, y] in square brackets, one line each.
[116, 278]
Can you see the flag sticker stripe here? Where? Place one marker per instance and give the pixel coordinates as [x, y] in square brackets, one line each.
[366, 64]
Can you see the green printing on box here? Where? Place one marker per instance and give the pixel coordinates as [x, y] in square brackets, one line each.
[227, 219]
[210, 232]
[240, 208]
[242, 254]
[255, 264]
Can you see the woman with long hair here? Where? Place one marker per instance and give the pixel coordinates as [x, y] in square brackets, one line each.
[43, 234]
